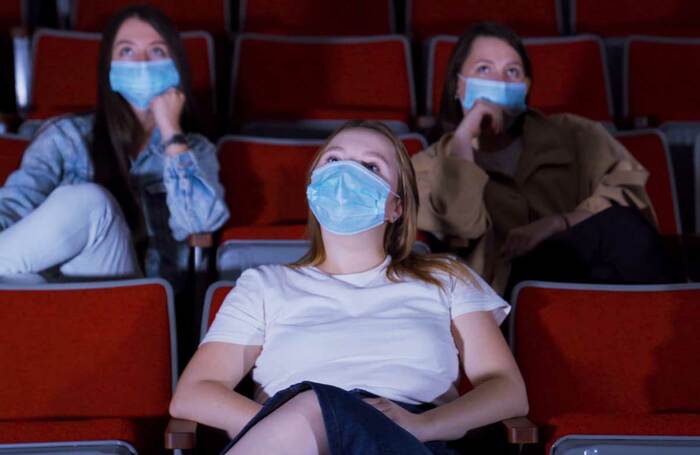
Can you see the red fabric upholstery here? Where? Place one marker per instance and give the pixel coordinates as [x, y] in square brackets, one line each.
[586, 351]
[65, 71]
[102, 352]
[526, 17]
[637, 17]
[653, 92]
[569, 75]
[10, 14]
[649, 149]
[317, 17]
[217, 300]
[11, 151]
[141, 433]
[210, 15]
[286, 79]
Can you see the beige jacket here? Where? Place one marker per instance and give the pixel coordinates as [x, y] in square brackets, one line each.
[567, 163]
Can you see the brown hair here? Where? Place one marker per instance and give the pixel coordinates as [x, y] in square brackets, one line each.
[400, 236]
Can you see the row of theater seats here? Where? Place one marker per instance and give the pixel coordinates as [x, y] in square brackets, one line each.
[419, 18]
[265, 178]
[91, 367]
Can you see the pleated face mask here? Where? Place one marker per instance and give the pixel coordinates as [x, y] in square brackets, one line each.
[347, 198]
[509, 95]
[140, 82]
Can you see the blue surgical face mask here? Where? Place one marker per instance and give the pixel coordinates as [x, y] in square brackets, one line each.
[347, 198]
[509, 95]
[140, 82]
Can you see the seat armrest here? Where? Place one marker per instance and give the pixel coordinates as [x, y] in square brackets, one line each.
[520, 430]
[181, 434]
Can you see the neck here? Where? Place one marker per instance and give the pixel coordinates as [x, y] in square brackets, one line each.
[353, 253]
[148, 124]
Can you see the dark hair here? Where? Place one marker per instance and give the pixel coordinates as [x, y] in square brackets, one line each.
[451, 108]
[117, 131]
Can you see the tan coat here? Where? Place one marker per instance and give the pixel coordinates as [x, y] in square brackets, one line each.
[567, 163]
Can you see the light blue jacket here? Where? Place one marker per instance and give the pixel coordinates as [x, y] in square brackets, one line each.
[179, 195]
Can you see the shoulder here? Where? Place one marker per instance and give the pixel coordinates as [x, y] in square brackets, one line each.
[68, 125]
[575, 124]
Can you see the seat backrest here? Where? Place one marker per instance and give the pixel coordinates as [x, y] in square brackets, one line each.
[654, 93]
[316, 17]
[103, 349]
[569, 75]
[64, 75]
[216, 293]
[290, 79]
[13, 13]
[630, 17]
[607, 349]
[11, 151]
[210, 15]
[649, 147]
[426, 18]
[696, 166]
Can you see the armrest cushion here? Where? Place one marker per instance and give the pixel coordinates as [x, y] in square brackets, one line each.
[181, 434]
[520, 430]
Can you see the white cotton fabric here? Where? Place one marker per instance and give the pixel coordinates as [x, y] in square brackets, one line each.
[354, 331]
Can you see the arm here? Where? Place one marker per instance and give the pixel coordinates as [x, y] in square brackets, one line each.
[205, 390]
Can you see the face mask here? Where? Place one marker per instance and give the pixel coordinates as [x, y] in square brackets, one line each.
[509, 95]
[347, 198]
[140, 82]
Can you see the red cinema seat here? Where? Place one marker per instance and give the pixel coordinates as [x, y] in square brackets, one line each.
[11, 151]
[316, 17]
[314, 84]
[608, 360]
[569, 75]
[87, 362]
[426, 18]
[649, 147]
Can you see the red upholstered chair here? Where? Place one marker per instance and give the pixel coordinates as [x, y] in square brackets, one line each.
[569, 75]
[64, 76]
[265, 181]
[317, 17]
[11, 150]
[609, 360]
[87, 362]
[210, 15]
[630, 17]
[307, 86]
[650, 149]
[426, 18]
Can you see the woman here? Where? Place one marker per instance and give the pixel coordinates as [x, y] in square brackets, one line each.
[557, 194]
[358, 325]
[96, 193]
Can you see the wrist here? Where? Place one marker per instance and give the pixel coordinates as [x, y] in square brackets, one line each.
[564, 222]
[166, 133]
[461, 147]
[426, 430]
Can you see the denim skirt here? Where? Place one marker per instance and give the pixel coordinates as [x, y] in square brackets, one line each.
[353, 426]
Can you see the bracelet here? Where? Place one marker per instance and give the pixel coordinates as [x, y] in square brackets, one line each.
[567, 225]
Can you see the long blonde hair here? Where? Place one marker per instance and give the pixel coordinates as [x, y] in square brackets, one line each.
[400, 236]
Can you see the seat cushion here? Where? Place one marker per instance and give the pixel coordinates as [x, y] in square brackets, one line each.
[146, 435]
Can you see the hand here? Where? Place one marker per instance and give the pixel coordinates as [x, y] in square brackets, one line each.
[523, 239]
[415, 424]
[167, 108]
[483, 117]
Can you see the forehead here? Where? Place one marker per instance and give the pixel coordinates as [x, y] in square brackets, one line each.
[362, 140]
[491, 48]
[134, 29]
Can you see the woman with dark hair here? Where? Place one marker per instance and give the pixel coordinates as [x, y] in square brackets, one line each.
[548, 197]
[97, 194]
[356, 348]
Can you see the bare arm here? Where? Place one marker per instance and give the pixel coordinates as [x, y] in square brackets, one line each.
[205, 390]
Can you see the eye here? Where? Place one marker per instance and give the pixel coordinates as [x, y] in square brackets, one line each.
[372, 167]
[329, 159]
[482, 69]
[125, 51]
[159, 52]
[513, 72]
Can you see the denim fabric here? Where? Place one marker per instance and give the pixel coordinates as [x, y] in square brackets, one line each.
[353, 426]
[180, 195]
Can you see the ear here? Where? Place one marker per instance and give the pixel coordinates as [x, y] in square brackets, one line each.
[395, 211]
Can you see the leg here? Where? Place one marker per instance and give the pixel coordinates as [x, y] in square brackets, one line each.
[296, 427]
[79, 228]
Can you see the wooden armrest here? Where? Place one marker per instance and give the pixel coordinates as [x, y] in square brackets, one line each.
[181, 434]
[202, 240]
[520, 430]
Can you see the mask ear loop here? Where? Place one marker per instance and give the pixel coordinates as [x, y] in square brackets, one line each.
[393, 217]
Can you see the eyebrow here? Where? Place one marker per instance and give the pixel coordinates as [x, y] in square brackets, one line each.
[512, 62]
[126, 41]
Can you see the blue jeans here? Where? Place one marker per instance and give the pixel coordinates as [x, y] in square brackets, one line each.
[353, 426]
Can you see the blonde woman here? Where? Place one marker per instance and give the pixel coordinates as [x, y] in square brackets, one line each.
[358, 347]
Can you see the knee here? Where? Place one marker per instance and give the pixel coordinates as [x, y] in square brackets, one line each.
[84, 196]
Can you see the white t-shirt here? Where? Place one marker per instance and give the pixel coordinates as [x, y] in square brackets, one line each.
[352, 331]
